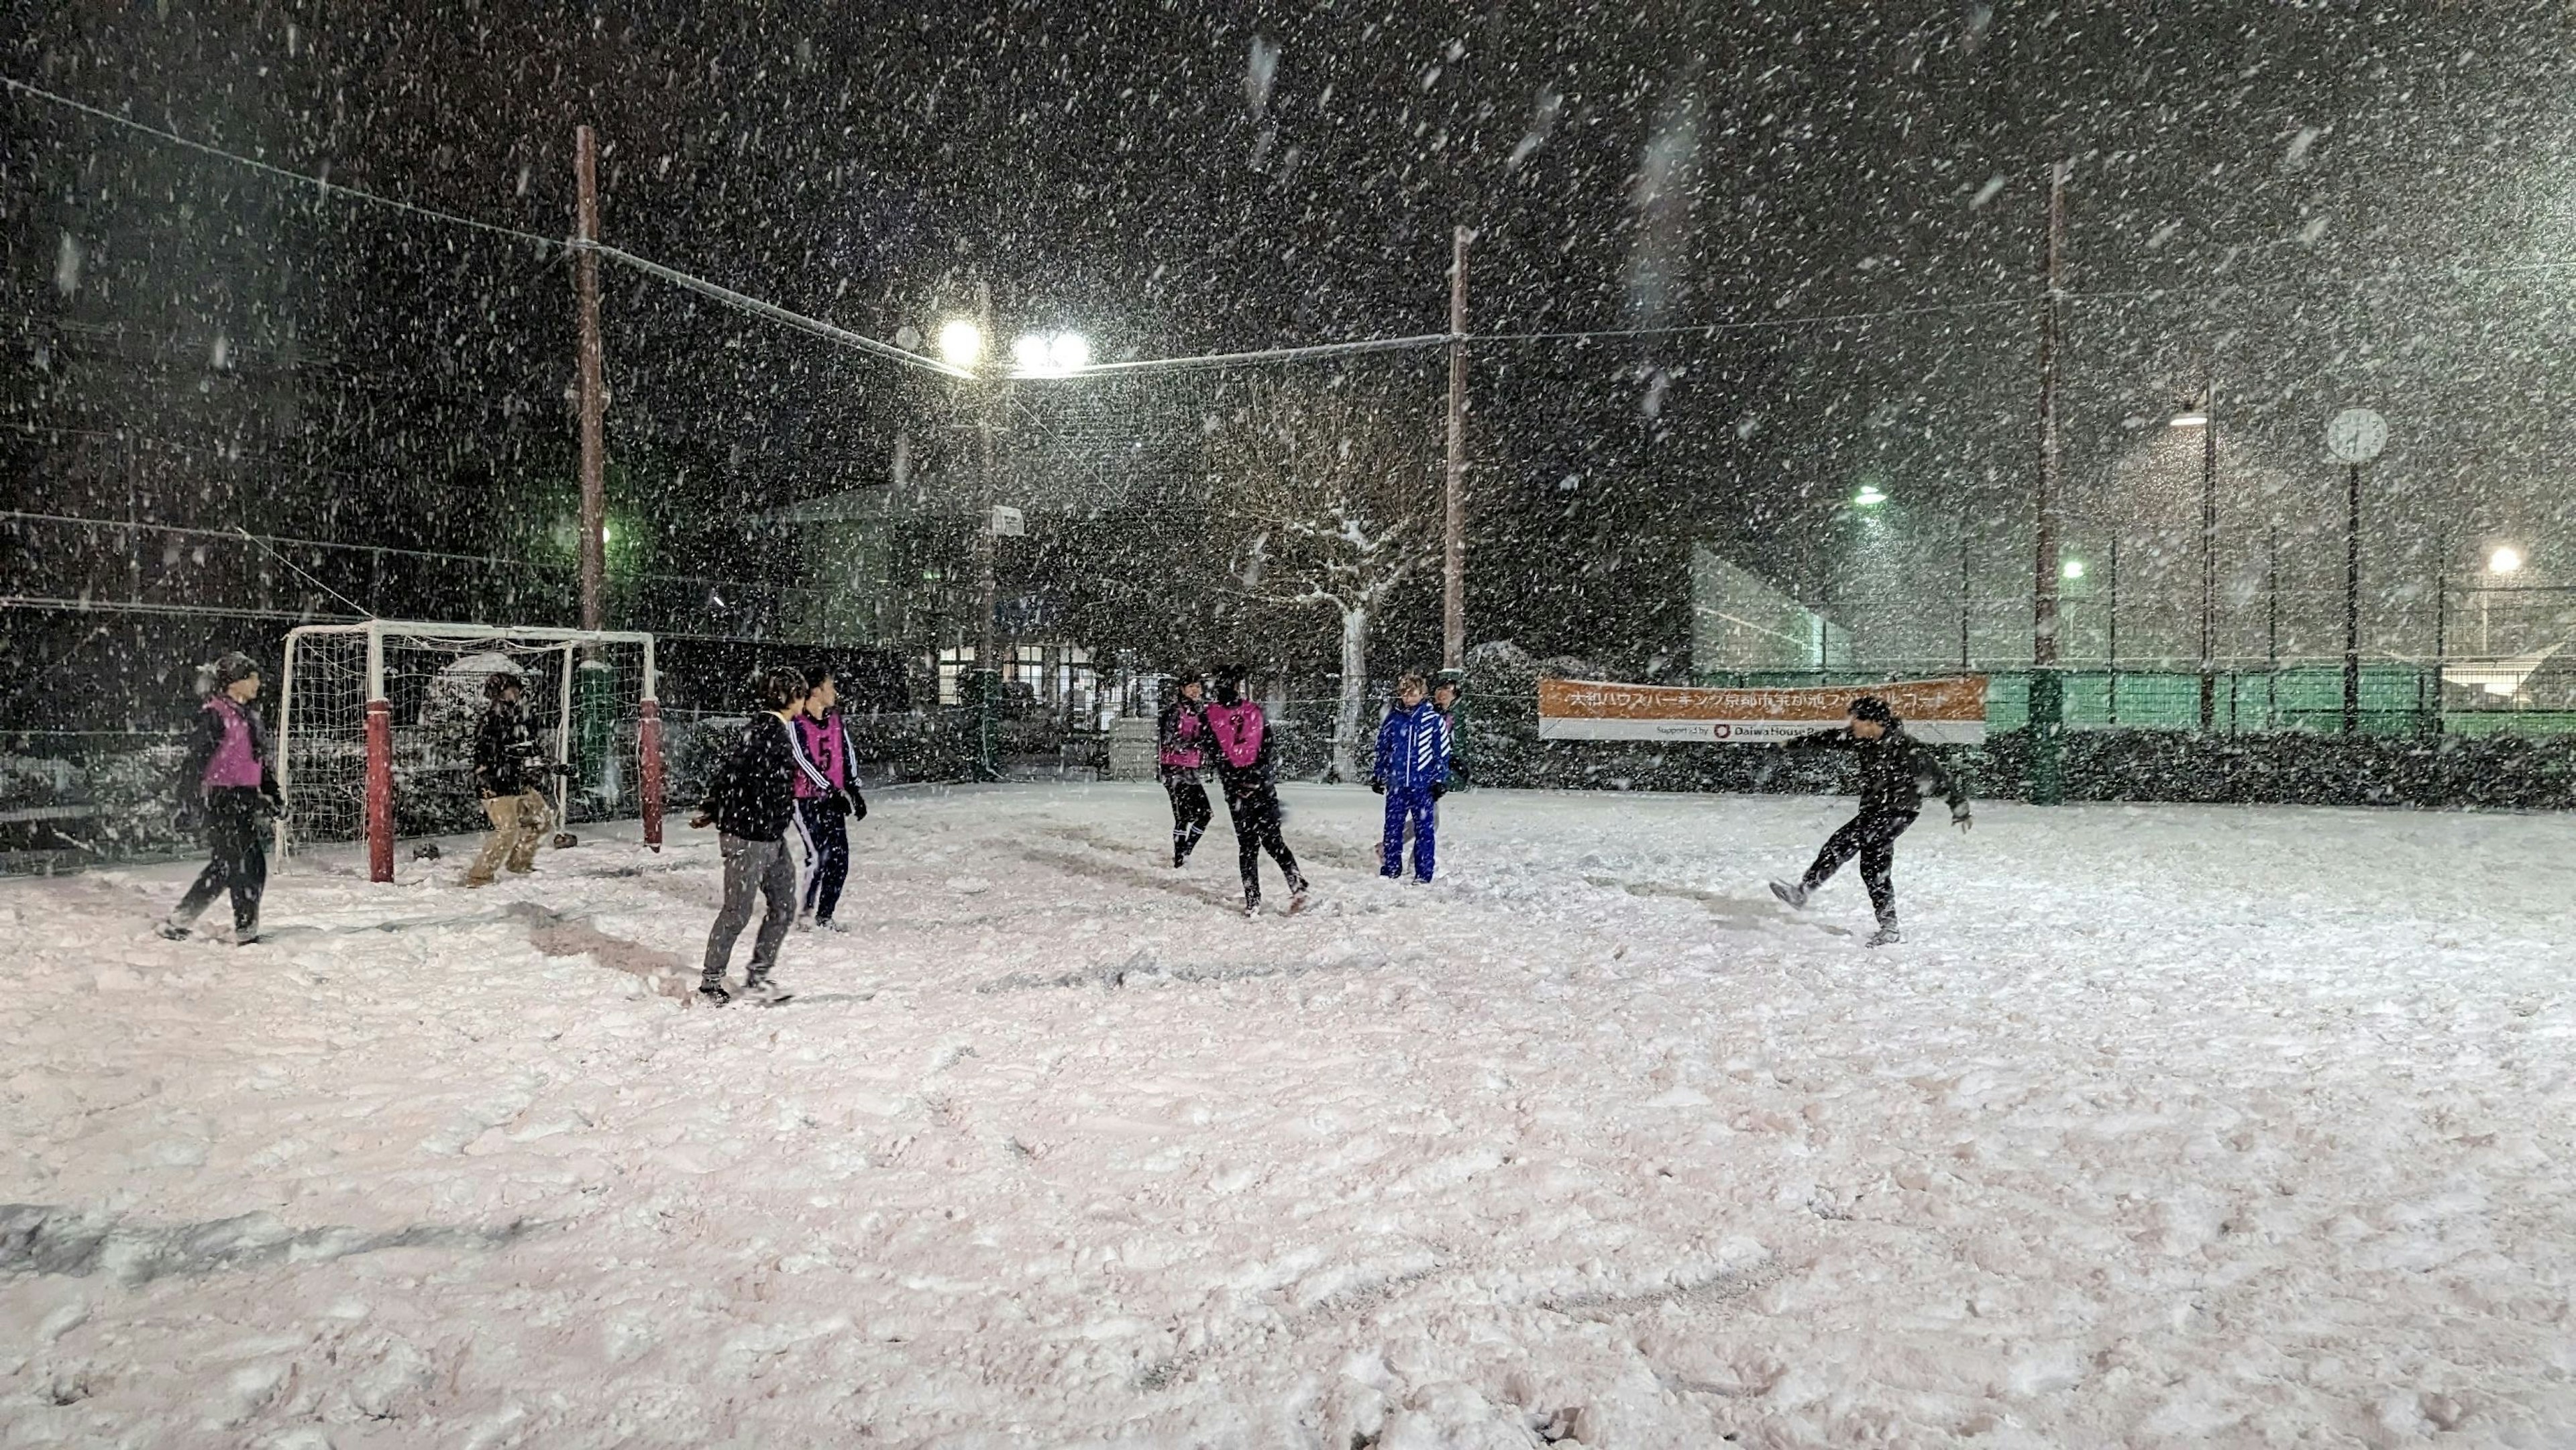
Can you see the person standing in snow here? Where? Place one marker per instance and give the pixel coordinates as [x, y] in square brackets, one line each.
[749, 802]
[1182, 733]
[1444, 698]
[1246, 764]
[225, 779]
[827, 798]
[1412, 773]
[510, 773]
[1896, 772]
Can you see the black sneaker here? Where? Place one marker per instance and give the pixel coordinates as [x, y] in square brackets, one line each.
[714, 996]
[1885, 936]
[172, 930]
[1796, 896]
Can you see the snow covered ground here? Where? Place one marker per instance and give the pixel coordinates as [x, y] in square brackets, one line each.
[2170, 1126]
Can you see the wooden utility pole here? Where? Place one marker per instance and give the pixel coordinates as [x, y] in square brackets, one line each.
[1453, 554]
[594, 396]
[2043, 639]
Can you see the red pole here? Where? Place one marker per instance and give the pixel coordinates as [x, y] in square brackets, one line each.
[649, 747]
[380, 790]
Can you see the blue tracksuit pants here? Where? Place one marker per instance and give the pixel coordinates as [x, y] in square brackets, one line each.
[1415, 806]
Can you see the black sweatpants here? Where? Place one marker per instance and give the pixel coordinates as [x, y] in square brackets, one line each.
[1871, 836]
[751, 869]
[236, 818]
[1256, 829]
[825, 824]
[1190, 816]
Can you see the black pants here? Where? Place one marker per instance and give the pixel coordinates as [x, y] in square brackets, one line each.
[1256, 829]
[236, 820]
[1871, 836]
[751, 869]
[1190, 816]
[825, 824]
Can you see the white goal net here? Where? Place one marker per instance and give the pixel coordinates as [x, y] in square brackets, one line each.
[588, 696]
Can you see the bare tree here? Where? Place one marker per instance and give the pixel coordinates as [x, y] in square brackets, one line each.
[1332, 501]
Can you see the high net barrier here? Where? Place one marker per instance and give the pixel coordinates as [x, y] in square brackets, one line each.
[377, 723]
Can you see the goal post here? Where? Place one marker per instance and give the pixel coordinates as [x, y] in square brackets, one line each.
[376, 725]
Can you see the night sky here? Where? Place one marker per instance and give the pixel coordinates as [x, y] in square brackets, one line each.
[2314, 205]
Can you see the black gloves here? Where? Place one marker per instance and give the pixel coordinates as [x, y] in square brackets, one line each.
[564, 769]
[1439, 790]
[1378, 784]
[855, 804]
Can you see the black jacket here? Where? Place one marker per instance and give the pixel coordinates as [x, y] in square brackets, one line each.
[1896, 770]
[208, 737]
[507, 758]
[753, 794]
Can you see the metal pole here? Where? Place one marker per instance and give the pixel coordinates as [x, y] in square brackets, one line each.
[2044, 604]
[2441, 637]
[1963, 588]
[2209, 557]
[2352, 603]
[2114, 627]
[1453, 560]
[594, 442]
[2272, 628]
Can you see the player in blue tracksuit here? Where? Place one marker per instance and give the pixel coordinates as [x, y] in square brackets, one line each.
[1412, 773]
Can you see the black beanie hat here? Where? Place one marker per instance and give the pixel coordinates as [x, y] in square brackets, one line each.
[500, 682]
[232, 669]
[1871, 707]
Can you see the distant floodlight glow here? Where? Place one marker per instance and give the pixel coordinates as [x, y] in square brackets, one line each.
[1070, 351]
[2507, 560]
[2190, 420]
[2072, 569]
[1869, 496]
[1033, 353]
[961, 343]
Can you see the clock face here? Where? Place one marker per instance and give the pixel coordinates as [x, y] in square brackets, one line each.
[2356, 435]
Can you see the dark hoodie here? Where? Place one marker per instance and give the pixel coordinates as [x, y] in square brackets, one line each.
[1896, 770]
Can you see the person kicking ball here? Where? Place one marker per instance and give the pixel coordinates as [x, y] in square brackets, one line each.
[1896, 772]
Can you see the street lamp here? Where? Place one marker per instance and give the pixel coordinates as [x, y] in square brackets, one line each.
[1869, 497]
[1050, 354]
[2071, 570]
[961, 343]
[2505, 560]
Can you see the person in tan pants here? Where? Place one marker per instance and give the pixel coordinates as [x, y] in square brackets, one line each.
[509, 773]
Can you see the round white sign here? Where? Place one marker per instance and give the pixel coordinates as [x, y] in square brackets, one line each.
[2356, 435]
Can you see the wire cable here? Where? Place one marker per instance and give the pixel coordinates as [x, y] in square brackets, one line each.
[299, 178]
[672, 275]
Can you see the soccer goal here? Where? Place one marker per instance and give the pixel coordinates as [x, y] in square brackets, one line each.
[376, 725]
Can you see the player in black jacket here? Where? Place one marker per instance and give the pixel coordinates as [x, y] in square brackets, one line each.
[1182, 746]
[1896, 771]
[510, 773]
[750, 801]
